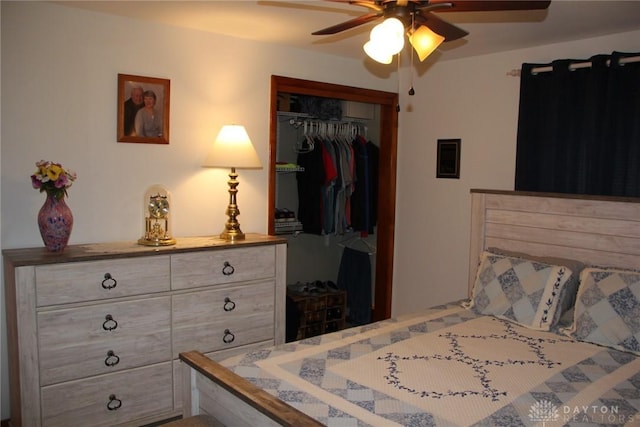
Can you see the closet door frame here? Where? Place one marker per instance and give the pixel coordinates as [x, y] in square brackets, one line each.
[388, 102]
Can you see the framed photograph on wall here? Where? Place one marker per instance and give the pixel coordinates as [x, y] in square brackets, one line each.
[448, 163]
[143, 109]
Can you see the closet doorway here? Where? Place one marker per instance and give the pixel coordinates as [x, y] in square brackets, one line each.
[387, 103]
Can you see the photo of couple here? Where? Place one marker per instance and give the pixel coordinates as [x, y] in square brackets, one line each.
[143, 109]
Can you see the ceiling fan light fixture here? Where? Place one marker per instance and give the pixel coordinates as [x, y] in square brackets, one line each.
[377, 52]
[391, 34]
[386, 39]
[415, 12]
[425, 41]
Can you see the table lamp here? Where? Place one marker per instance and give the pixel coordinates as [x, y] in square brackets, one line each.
[233, 149]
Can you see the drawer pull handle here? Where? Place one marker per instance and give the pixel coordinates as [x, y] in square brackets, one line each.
[109, 282]
[228, 304]
[112, 359]
[228, 269]
[114, 403]
[228, 337]
[109, 324]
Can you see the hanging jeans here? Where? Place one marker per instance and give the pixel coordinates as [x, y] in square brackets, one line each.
[354, 276]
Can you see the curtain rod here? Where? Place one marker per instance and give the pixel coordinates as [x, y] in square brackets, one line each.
[516, 71]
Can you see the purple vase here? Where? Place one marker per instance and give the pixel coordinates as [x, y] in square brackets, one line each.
[55, 221]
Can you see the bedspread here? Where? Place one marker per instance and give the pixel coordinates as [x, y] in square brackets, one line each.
[449, 367]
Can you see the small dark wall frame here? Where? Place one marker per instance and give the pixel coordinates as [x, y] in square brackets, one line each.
[448, 165]
[155, 129]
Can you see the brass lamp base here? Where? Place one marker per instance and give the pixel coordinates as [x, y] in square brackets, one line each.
[232, 235]
[232, 230]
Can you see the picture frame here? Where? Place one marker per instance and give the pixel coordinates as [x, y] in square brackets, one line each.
[137, 122]
[448, 160]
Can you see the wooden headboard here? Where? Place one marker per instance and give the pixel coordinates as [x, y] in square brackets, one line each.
[597, 230]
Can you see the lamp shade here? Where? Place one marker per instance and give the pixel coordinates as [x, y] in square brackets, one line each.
[425, 41]
[232, 148]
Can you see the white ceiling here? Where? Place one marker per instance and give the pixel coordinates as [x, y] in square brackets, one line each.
[291, 22]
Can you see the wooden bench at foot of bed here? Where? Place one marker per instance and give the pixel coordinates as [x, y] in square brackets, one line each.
[211, 389]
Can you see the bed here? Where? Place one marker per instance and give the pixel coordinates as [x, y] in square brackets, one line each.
[549, 335]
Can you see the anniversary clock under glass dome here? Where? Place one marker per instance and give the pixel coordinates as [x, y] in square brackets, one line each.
[157, 220]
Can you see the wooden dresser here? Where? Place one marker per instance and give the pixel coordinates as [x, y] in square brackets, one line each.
[94, 333]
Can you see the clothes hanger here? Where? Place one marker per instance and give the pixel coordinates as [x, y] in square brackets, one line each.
[298, 146]
[348, 242]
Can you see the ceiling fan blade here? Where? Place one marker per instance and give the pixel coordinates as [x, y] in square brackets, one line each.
[491, 5]
[371, 4]
[348, 24]
[449, 31]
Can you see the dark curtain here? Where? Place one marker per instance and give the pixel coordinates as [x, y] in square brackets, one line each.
[579, 128]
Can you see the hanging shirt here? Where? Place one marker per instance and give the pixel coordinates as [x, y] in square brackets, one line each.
[310, 183]
[364, 200]
[328, 189]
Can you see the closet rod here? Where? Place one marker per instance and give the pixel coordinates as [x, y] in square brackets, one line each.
[516, 72]
[296, 122]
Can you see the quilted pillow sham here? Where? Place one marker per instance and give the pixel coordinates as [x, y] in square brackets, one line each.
[607, 309]
[523, 291]
[570, 289]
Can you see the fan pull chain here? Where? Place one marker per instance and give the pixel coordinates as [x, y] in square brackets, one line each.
[413, 28]
[411, 90]
[398, 84]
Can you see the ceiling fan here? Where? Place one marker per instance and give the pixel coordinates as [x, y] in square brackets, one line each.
[417, 15]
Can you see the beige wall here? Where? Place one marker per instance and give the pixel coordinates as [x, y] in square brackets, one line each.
[59, 68]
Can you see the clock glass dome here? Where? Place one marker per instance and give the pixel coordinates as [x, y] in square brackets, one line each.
[157, 217]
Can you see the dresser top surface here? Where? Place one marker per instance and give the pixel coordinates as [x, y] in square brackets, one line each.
[128, 249]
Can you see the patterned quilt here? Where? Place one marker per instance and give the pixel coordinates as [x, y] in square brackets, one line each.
[449, 367]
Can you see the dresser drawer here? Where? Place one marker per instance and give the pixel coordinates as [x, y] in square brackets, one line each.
[110, 399]
[201, 322]
[86, 281]
[98, 339]
[224, 266]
